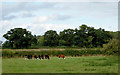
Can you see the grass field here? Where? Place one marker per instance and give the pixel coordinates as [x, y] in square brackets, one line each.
[86, 64]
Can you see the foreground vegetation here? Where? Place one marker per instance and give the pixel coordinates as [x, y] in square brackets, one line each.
[55, 52]
[86, 64]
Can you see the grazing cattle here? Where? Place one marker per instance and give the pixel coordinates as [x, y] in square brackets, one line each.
[32, 56]
[35, 57]
[39, 57]
[46, 57]
[42, 56]
[61, 56]
[28, 57]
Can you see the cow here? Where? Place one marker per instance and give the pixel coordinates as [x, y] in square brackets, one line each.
[35, 56]
[61, 56]
[47, 57]
[42, 56]
[39, 57]
[28, 57]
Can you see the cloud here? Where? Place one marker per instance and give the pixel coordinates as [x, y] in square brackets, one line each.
[90, 9]
[63, 0]
[26, 14]
[77, 9]
[60, 17]
[4, 27]
[40, 29]
[16, 7]
[106, 27]
[9, 17]
[40, 19]
[44, 19]
[20, 15]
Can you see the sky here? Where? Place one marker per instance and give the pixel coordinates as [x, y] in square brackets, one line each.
[39, 17]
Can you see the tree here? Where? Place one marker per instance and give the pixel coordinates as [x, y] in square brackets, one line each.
[101, 37]
[81, 37]
[89, 37]
[19, 38]
[51, 38]
[40, 40]
[66, 37]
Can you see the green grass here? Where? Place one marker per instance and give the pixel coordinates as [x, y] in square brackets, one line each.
[87, 64]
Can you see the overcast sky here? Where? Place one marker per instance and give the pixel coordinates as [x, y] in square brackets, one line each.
[38, 17]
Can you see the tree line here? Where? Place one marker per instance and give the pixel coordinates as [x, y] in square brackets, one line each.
[83, 37]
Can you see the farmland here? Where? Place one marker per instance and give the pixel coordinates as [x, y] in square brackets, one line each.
[83, 64]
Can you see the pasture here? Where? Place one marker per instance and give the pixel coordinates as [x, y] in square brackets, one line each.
[84, 64]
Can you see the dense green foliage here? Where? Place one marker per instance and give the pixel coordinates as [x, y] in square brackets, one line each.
[51, 38]
[40, 40]
[71, 65]
[66, 37]
[83, 37]
[19, 38]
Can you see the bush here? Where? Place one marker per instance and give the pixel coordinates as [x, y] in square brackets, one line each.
[8, 53]
[112, 47]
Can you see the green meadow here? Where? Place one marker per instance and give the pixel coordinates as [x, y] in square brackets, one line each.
[83, 64]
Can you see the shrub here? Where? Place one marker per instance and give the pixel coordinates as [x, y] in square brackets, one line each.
[111, 47]
[8, 53]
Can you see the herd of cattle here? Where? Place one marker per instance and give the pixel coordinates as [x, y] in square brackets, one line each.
[39, 57]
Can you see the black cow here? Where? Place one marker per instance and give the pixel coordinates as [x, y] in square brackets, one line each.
[47, 57]
[35, 56]
[42, 56]
[39, 57]
[28, 56]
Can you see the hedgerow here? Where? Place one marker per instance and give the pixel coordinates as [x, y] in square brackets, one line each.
[9, 53]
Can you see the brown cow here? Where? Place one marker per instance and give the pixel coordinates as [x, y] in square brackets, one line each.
[61, 56]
